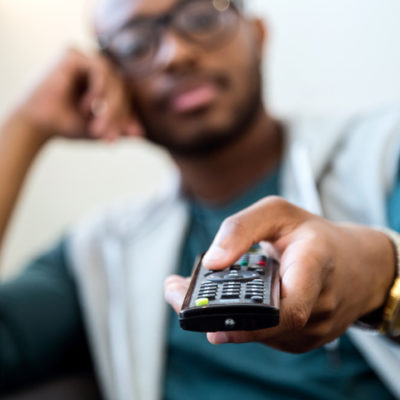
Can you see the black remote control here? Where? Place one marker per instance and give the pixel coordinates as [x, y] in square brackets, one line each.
[244, 296]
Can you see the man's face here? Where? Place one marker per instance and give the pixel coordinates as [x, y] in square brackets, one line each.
[195, 99]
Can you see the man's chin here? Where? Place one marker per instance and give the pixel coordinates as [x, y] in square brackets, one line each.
[204, 144]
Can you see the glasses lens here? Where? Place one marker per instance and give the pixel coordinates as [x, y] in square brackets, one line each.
[206, 21]
[135, 46]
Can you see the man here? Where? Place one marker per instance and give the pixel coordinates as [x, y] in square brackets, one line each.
[191, 72]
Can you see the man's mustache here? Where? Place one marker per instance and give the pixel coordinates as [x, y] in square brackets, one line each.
[178, 84]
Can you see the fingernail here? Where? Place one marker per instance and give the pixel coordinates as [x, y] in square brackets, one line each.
[220, 338]
[215, 253]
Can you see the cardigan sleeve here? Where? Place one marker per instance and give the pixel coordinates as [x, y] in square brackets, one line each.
[41, 328]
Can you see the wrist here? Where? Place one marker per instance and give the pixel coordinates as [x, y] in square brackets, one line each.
[21, 125]
[373, 258]
[376, 317]
[390, 323]
[384, 268]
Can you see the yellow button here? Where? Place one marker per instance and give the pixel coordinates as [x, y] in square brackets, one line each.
[201, 302]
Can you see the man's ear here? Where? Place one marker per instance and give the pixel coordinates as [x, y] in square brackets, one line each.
[260, 32]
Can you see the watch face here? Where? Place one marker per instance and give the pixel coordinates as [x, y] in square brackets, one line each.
[392, 310]
[395, 323]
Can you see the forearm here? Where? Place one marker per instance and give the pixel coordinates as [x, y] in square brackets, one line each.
[19, 144]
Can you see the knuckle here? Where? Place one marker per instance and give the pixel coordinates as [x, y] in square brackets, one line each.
[323, 332]
[329, 306]
[297, 318]
[234, 225]
[175, 286]
[170, 280]
[278, 203]
[72, 55]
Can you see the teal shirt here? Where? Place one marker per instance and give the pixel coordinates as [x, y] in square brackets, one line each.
[198, 370]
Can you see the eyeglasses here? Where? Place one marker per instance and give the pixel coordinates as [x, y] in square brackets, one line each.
[206, 23]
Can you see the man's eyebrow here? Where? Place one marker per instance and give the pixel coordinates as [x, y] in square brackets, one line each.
[148, 17]
[145, 17]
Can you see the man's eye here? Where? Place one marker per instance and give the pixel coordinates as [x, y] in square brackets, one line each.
[203, 21]
[138, 49]
[133, 46]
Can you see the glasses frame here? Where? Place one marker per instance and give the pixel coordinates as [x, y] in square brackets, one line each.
[161, 23]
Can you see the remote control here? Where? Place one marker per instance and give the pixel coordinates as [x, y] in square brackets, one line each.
[244, 296]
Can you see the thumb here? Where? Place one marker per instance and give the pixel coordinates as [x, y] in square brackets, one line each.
[267, 220]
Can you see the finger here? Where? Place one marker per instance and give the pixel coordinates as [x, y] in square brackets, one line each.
[175, 288]
[268, 220]
[301, 285]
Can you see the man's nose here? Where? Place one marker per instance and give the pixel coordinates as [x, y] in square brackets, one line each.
[176, 53]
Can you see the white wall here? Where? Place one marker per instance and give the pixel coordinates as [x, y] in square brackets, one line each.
[329, 56]
[324, 56]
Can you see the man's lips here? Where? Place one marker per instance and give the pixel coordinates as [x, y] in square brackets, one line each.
[191, 99]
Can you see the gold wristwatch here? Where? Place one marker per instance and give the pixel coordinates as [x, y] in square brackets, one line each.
[390, 324]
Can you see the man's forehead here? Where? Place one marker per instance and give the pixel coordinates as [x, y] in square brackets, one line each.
[112, 14]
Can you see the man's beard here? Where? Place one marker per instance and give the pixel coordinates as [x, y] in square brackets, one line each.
[211, 141]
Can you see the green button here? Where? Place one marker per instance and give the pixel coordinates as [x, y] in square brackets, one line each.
[201, 302]
[256, 247]
[244, 263]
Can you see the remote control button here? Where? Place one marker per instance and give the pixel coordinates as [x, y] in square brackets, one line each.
[230, 293]
[201, 302]
[210, 287]
[249, 295]
[229, 296]
[257, 299]
[255, 290]
[242, 276]
[255, 248]
[235, 267]
[209, 297]
[262, 260]
[206, 294]
[260, 271]
[244, 261]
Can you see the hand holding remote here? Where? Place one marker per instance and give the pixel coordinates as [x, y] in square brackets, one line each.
[331, 274]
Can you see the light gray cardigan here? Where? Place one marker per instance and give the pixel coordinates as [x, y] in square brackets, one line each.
[114, 254]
